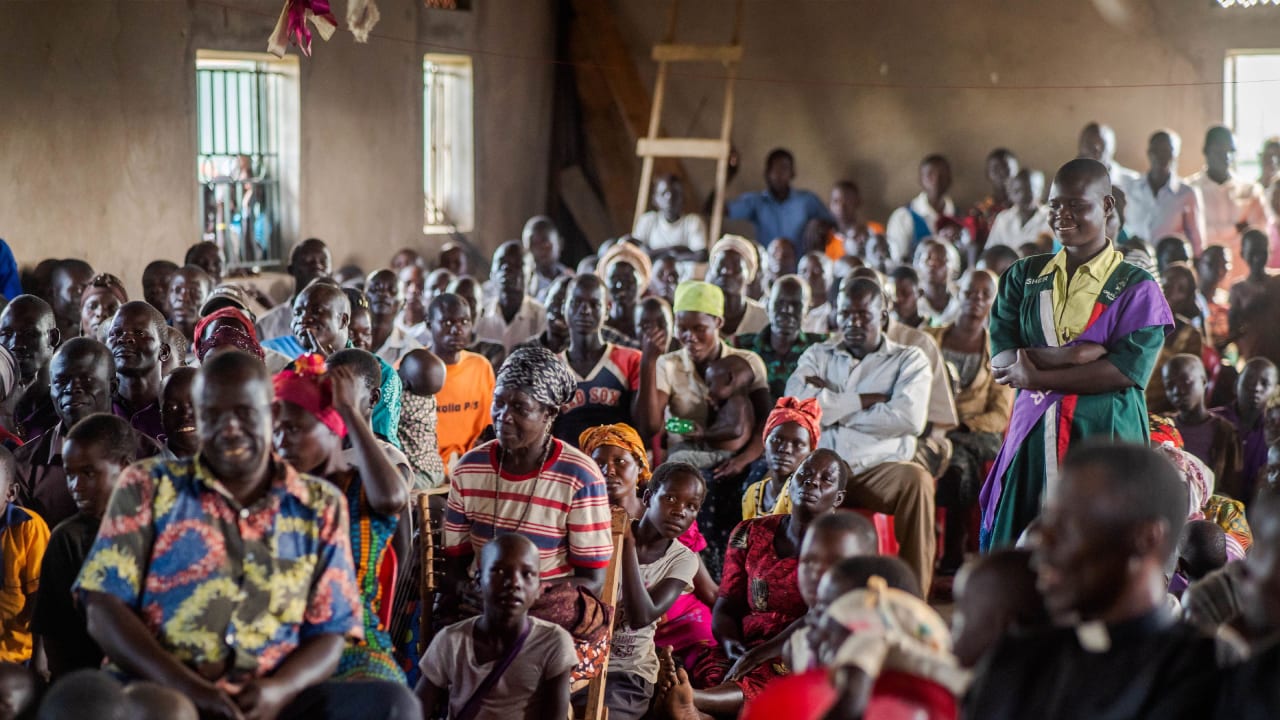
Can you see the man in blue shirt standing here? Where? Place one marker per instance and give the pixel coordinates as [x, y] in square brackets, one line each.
[780, 210]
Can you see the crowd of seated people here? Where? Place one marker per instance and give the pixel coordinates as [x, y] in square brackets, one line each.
[1004, 461]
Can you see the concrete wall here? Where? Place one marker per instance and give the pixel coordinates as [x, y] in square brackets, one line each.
[97, 132]
[805, 60]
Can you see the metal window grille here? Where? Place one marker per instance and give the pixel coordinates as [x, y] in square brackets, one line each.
[239, 106]
[1251, 99]
[448, 150]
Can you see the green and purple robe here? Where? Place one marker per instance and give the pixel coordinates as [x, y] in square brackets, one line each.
[1130, 318]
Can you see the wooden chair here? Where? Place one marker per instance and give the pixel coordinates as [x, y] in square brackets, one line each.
[595, 709]
[431, 564]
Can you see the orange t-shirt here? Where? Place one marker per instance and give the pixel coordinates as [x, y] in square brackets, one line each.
[463, 404]
[835, 243]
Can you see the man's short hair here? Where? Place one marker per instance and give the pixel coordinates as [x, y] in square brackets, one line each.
[364, 362]
[779, 154]
[112, 433]
[1142, 484]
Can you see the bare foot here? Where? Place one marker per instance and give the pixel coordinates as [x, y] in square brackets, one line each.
[674, 692]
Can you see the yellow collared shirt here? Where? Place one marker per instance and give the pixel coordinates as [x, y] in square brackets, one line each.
[1074, 297]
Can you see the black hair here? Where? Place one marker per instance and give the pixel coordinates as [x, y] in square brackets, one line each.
[853, 573]
[194, 251]
[307, 244]
[779, 154]
[1001, 152]
[935, 159]
[363, 361]
[1016, 582]
[44, 311]
[1217, 132]
[847, 185]
[74, 692]
[68, 264]
[1169, 243]
[504, 541]
[357, 299]
[158, 324]
[842, 466]
[1202, 548]
[847, 522]
[234, 364]
[447, 299]
[1141, 484]
[905, 272]
[112, 433]
[157, 265]
[666, 471]
[999, 252]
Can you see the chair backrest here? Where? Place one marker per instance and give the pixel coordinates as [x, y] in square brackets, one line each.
[595, 709]
[429, 567]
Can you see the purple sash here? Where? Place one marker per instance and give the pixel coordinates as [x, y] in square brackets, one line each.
[1138, 306]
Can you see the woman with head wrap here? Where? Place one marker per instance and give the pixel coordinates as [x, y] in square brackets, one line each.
[790, 434]
[230, 327]
[672, 386]
[734, 264]
[626, 271]
[98, 304]
[620, 453]
[528, 482]
[314, 411]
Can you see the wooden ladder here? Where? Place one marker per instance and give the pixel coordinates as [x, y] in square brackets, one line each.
[717, 149]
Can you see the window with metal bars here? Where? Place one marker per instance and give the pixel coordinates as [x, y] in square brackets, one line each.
[1251, 97]
[247, 148]
[448, 180]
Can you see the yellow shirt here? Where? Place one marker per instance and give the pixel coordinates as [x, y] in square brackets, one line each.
[753, 498]
[1074, 297]
[23, 538]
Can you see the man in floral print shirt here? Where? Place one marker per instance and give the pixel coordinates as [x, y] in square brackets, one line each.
[229, 576]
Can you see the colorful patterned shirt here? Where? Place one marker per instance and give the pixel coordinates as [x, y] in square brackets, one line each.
[221, 586]
[779, 365]
[563, 508]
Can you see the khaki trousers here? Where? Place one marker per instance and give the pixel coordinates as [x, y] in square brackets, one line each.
[906, 491]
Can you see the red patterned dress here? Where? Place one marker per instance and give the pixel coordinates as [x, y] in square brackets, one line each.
[754, 571]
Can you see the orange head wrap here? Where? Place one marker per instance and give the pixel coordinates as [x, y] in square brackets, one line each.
[620, 435]
[808, 413]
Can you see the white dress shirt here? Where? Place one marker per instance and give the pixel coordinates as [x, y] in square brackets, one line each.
[900, 231]
[1008, 231]
[530, 320]
[883, 432]
[1122, 176]
[942, 401]
[657, 234]
[397, 345]
[1176, 209]
[1225, 205]
[815, 321]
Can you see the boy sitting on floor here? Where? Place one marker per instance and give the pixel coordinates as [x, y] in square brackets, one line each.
[502, 659]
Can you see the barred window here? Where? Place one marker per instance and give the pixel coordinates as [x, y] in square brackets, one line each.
[247, 154]
[1252, 104]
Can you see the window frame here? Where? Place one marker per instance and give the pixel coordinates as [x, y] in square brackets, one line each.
[448, 147]
[272, 137]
